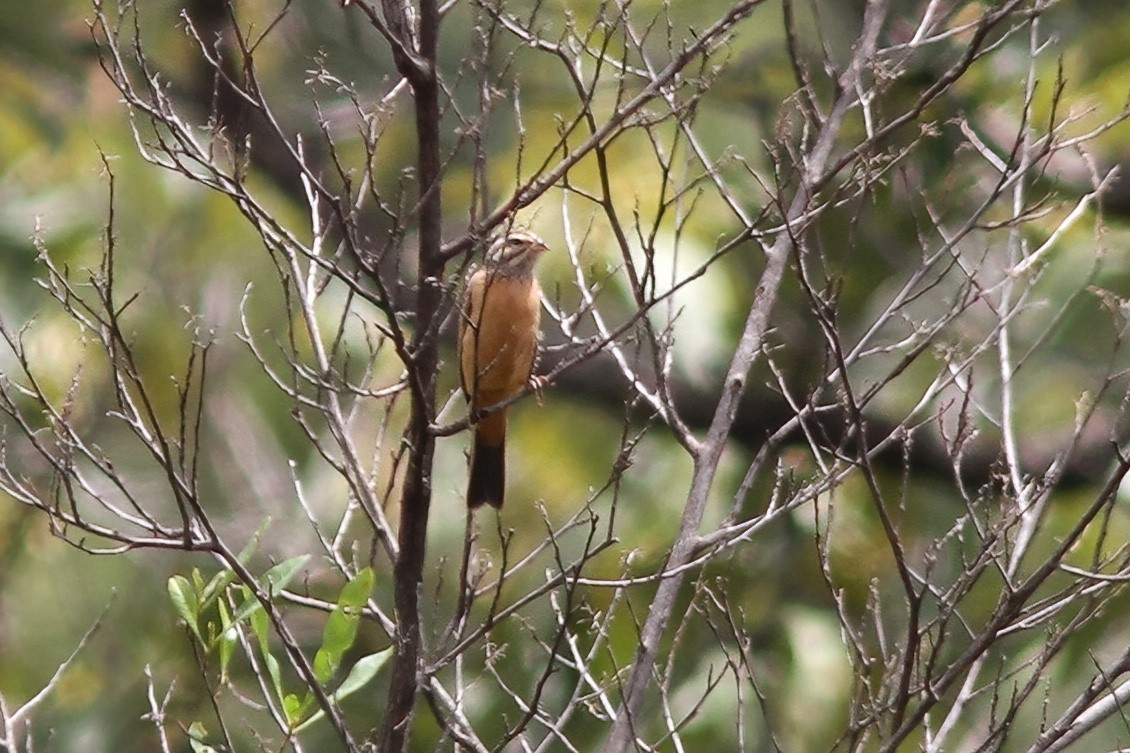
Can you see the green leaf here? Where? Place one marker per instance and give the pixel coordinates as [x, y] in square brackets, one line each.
[245, 555]
[183, 597]
[196, 736]
[277, 578]
[260, 624]
[356, 592]
[198, 747]
[215, 586]
[280, 576]
[363, 671]
[308, 702]
[324, 666]
[247, 608]
[275, 675]
[292, 708]
[227, 640]
[361, 675]
[261, 627]
[341, 627]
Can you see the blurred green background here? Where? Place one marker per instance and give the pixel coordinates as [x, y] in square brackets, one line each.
[190, 257]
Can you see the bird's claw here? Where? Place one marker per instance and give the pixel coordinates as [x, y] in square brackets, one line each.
[538, 385]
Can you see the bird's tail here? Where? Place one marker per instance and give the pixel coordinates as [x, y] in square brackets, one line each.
[487, 484]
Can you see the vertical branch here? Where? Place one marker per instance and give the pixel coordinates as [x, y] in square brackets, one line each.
[706, 458]
[416, 59]
[708, 453]
[1027, 496]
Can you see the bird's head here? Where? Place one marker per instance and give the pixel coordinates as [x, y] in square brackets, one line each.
[515, 252]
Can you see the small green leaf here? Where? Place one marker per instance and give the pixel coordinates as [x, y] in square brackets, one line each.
[292, 708]
[228, 639]
[248, 607]
[356, 592]
[363, 671]
[183, 597]
[260, 625]
[361, 675]
[340, 631]
[324, 666]
[319, 714]
[245, 556]
[308, 702]
[341, 627]
[280, 576]
[196, 736]
[277, 578]
[198, 747]
[215, 586]
[275, 675]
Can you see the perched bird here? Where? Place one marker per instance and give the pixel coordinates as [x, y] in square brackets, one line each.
[498, 342]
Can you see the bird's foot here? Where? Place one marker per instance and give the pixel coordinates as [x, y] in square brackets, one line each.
[538, 385]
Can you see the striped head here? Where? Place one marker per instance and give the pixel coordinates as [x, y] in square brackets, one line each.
[515, 253]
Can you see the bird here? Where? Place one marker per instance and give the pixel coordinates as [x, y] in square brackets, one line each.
[498, 343]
